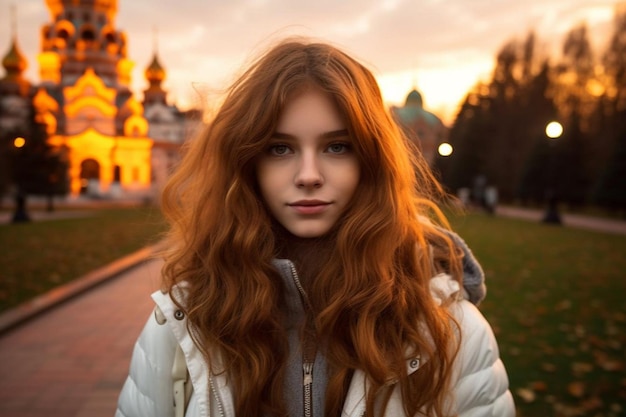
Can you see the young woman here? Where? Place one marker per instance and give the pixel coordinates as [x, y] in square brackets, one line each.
[309, 271]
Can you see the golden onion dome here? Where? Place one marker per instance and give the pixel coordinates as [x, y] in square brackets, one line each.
[14, 61]
[155, 72]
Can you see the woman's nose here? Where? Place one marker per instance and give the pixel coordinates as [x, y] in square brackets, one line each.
[309, 172]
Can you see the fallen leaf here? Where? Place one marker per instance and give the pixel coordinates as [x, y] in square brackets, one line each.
[592, 403]
[579, 330]
[596, 341]
[563, 305]
[563, 410]
[514, 351]
[576, 389]
[581, 367]
[611, 329]
[615, 344]
[539, 386]
[611, 365]
[526, 394]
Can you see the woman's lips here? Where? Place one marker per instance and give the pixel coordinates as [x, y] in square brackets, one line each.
[309, 206]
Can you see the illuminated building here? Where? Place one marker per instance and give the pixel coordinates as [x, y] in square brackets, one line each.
[424, 128]
[115, 144]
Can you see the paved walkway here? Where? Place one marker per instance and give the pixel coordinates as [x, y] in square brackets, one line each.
[569, 220]
[73, 360]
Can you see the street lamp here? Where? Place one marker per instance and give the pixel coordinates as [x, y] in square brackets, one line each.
[20, 215]
[554, 130]
[19, 142]
[445, 149]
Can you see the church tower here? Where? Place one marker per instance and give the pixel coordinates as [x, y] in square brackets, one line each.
[82, 34]
[14, 88]
[115, 144]
[155, 74]
[14, 65]
[85, 98]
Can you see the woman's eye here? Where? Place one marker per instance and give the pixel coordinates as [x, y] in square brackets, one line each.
[279, 149]
[338, 148]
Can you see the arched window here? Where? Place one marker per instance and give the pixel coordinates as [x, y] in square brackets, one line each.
[88, 35]
[117, 173]
[63, 34]
[89, 172]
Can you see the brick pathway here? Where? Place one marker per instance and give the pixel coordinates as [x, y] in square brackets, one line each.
[73, 360]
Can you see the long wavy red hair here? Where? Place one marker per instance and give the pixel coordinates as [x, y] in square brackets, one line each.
[371, 299]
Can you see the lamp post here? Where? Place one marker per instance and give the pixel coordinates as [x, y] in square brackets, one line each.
[554, 130]
[20, 215]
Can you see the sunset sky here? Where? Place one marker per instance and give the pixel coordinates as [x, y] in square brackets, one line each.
[442, 47]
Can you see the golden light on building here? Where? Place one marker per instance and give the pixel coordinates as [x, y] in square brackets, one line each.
[114, 145]
[96, 153]
[103, 130]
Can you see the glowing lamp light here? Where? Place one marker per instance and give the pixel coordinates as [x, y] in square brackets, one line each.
[554, 130]
[19, 142]
[445, 149]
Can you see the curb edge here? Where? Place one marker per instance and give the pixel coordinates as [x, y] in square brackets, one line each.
[26, 311]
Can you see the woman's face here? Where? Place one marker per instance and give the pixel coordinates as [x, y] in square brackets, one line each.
[309, 171]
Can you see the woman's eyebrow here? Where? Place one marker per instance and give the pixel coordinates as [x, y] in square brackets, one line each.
[335, 134]
[284, 136]
[326, 135]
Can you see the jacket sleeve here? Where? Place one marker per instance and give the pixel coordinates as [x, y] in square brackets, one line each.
[147, 391]
[481, 384]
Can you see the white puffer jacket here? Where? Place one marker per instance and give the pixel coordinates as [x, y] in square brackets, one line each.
[480, 380]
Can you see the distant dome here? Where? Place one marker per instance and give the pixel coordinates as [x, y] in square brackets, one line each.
[155, 72]
[414, 99]
[14, 62]
[413, 111]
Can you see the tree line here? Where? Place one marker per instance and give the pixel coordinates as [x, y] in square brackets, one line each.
[499, 131]
[29, 165]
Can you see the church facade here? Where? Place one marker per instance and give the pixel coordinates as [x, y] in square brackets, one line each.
[115, 145]
[423, 128]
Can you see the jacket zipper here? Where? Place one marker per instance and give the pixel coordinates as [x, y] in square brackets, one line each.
[218, 400]
[307, 362]
[308, 386]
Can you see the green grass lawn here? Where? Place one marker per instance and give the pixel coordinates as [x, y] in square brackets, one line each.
[556, 302]
[555, 295]
[39, 256]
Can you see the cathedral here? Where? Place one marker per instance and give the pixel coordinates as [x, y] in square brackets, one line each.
[422, 127]
[115, 145]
